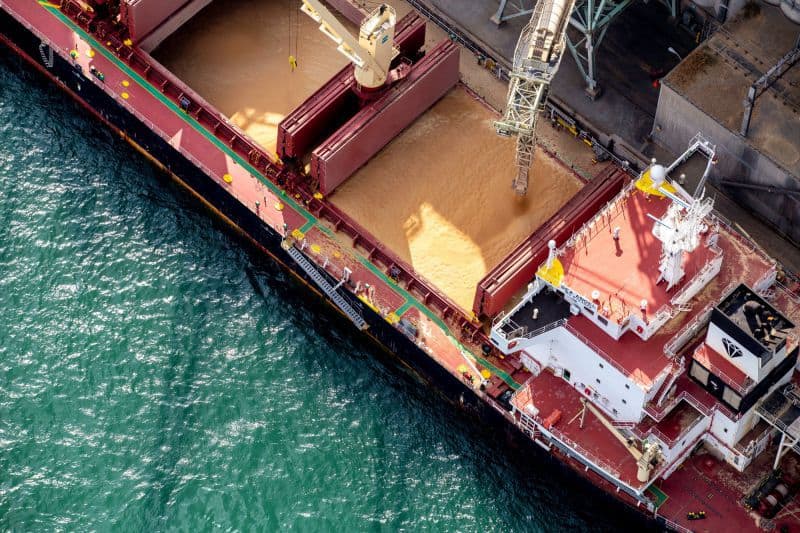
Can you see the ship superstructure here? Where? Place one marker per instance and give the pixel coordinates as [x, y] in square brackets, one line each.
[626, 328]
[665, 320]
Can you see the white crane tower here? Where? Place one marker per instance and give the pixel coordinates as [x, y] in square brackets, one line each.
[372, 53]
[536, 59]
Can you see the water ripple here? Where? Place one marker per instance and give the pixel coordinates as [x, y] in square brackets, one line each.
[155, 378]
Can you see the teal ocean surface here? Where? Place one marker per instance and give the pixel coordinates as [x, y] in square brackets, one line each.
[156, 374]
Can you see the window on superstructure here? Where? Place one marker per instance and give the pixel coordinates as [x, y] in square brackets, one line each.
[625, 401]
[699, 373]
[566, 374]
[601, 365]
[627, 386]
[731, 398]
[597, 380]
[602, 320]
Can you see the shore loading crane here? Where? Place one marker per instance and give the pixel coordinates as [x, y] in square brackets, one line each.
[537, 57]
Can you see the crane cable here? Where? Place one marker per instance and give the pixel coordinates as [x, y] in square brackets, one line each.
[294, 30]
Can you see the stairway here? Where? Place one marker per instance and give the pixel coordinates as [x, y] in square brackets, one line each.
[47, 57]
[326, 287]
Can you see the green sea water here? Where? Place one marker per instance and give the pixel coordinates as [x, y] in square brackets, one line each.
[157, 375]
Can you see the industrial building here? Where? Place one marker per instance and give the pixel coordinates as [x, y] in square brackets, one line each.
[741, 88]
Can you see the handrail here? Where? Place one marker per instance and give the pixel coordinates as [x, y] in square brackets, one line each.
[678, 296]
[590, 224]
[746, 241]
[689, 330]
[741, 389]
[531, 334]
[602, 353]
[497, 319]
[591, 457]
[178, 93]
[794, 297]
[670, 349]
[674, 525]
[748, 449]
[670, 442]
[536, 288]
[659, 414]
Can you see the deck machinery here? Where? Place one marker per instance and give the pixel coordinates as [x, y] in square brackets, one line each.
[390, 83]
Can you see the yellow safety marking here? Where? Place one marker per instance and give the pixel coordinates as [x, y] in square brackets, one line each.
[89, 53]
[553, 275]
[125, 95]
[462, 368]
[311, 221]
[569, 127]
[279, 206]
[125, 83]
[127, 42]
[227, 178]
[486, 374]
[392, 318]
[315, 248]
[337, 254]
[318, 195]
[297, 234]
[645, 184]
[368, 303]
[50, 4]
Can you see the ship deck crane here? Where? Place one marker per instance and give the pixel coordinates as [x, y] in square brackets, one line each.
[645, 460]
[372, 53]
[536, 60]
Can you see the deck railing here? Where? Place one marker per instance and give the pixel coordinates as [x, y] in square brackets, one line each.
[671, 442]
[514, 334]
[674, 525]
[589, 456]
[602, 353]
[658, 414]
[195, 107]
[729, 381]
[688, 331]
[680, 297]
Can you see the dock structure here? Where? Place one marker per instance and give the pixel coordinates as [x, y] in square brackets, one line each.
[724, 84]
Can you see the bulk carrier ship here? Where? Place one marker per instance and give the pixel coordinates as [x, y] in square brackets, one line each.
[616, 323]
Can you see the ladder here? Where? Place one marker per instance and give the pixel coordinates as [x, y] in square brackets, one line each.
[47, 57]
[326, 287]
